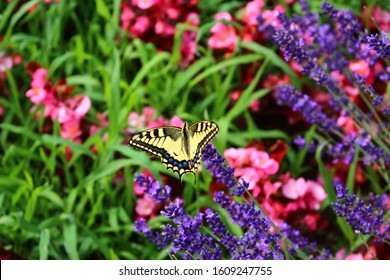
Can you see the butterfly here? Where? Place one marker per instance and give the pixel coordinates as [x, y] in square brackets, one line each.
[178, 148]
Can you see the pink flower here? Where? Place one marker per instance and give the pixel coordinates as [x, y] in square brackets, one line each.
[71, 129]
[157, 123]
[176, 121]
[341, 255]
[145, 206]
[270, 188]
[262, 161]
[140, 26]
[148, 113]
[224, 36]
[271, 16]
[144, 4]
[315, 195]
[347, 123]
[294, 189]
[5, 62]
[83, 106]
[382, 18]
[360, 67]
[251, 175]
[39, 78]
[136, 120]
[127, 16]
[36, 95]
[252, 11]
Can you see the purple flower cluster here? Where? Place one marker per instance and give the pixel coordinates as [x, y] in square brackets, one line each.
[257, 243]
[185, 237]
[380, 46]
[302, 103]
[302, 243]
[153, 188]
[364, 217]
[216, 165]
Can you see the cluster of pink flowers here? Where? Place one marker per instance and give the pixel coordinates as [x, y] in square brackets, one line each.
[280, 199]
[58, 104]
[254, 166]
[147, 120]
[155, 21]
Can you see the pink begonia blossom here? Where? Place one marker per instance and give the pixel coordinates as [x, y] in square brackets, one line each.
[315, 195]
[39, 78]
[342, 83]
[36, 95]
[305, 194]
[294, 189]
[347, 123]
[141, 25]
[253, 165]
[145, 206]
[223, 36]
[271, 16]
[360, 67]
[176, 121]
[382, 18]
[5, 62]
[71, 129]
[144, 4]
[341, 255]
[252, 11]
[270, 188]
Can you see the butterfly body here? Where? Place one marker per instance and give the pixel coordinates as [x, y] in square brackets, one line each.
[179, 149]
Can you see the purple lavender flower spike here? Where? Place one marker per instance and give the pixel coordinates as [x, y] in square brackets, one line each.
[364, 217]
[153, 188]
[381, 47]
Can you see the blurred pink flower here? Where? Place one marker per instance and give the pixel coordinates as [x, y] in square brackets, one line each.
[252, 11]
[39, 78]
[145, 206]
[271, 16]
[347, 123]
[270, 188]
[253, 165]
[223, 36]
[157, 123]
[71, 129]
[5, 62]
[294, 189]
[36, 95]
[382, 18]
[140, 26]
[144, 4]
[305, 194]
[360, 67]
[176, 121]
[315, 195]
[341, 255]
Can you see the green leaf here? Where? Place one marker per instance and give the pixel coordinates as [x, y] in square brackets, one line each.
[328, 184]
[32, 204]
[44, 242]
[70, 240]
[102, 9]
